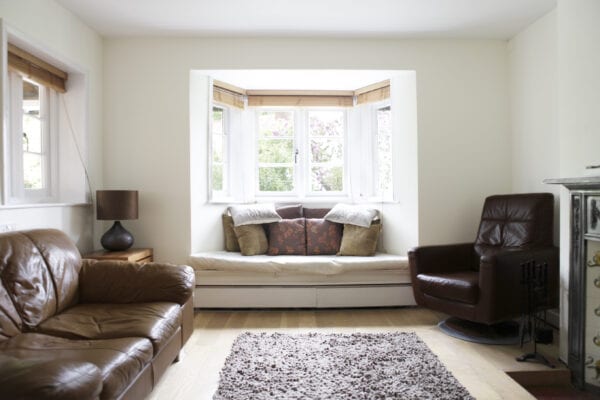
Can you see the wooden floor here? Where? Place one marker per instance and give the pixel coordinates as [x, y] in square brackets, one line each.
[480, 368]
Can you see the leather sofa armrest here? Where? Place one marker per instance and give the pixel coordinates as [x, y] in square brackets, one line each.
[441, 258]
[49, 380]
[125, 282]
[501, 274]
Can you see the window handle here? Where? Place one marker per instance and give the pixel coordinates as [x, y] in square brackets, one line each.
[296, 156]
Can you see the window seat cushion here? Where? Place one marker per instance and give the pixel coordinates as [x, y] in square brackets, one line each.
[318, 264]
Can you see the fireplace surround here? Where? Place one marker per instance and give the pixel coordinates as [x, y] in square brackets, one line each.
[584, 280]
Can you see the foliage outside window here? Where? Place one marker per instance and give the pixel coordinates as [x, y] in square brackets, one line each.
[326, 141]
[276, 151]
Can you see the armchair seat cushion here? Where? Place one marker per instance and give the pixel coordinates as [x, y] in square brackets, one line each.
[157, 322]
[119, 360]
[460, 286]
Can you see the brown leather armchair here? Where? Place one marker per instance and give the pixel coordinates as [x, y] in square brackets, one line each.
[481, 281]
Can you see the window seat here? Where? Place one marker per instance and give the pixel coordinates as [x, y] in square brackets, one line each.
[231, 280]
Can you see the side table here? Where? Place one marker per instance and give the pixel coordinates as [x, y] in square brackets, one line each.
[141, 256]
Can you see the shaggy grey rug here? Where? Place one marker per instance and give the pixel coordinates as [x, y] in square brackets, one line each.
[335, 366]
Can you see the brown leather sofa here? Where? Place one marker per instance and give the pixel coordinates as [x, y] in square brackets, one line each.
[481, 281]
[73, 329]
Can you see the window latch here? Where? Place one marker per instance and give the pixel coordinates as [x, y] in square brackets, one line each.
[296, 156]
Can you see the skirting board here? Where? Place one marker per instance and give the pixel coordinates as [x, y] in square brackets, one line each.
[339, 296]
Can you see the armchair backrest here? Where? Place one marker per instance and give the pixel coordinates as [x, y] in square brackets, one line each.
[516, 221]
[39, 276]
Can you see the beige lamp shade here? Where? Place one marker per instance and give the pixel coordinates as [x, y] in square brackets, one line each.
[116, 205]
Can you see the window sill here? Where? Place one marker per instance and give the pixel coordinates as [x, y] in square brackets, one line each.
[303, 200]
[42, 205]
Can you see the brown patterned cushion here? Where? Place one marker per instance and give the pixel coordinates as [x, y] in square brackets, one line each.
[231, 242]
[359, 241]
[290, 211]
[287, 237]
[322, 237]
[252, 239]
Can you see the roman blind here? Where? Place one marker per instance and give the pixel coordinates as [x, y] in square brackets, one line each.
[300, 98]
[36, 69]
[228, 94]
[373, 93]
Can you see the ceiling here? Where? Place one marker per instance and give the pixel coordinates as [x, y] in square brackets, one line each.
[481, 19]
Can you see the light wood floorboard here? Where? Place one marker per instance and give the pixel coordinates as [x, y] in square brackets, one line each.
[480, 368]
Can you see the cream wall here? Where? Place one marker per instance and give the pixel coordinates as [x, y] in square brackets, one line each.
[555, 93]
[463, 128]
[49, 26]
[533, 74]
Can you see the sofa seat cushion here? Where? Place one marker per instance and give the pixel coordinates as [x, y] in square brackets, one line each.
[460, 286]
[119, 360]
[154, 321]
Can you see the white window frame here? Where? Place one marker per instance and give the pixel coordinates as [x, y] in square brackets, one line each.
[18, 194]
[226, 190]
[301, 176]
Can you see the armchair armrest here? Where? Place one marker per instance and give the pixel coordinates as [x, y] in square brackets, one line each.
[500, 278]
[124, 282]
[441, 258]
[55, 379]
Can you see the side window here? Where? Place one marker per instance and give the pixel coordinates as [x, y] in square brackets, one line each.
[220, 144]
[31, 139]
[383, 152]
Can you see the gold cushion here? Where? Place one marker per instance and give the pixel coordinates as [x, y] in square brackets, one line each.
[252, 239]
[359, 241]
[231, 242]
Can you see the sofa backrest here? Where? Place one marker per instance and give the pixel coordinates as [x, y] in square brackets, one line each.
[39, 276]
[516, 221]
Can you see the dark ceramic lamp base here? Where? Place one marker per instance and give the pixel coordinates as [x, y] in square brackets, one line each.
[117, 238]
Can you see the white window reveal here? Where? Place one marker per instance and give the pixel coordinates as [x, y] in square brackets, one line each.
[384, 187]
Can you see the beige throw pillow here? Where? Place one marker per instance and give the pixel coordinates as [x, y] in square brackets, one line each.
[359, 241]
[252, 239]
[250, 214]
[351, 214]
[231, 242]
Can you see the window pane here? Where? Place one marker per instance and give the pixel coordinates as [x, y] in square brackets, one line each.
[32, 171]
[276, 150]
[217, 145]
[326, 123]
[218, 121]
[276, 124]
[32, 137]
[327, 179]
[384, 151]
[275, 179]
[217, 177]
[326, 150]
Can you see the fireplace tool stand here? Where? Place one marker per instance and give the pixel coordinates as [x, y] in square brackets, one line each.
[535, 277]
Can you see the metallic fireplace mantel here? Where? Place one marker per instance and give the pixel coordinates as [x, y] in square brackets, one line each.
[583, 349]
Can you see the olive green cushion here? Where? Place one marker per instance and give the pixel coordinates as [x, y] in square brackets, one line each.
[252, 239]
[231, 242]
[359, 241]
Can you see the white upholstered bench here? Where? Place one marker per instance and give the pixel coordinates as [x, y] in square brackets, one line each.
[231, 280]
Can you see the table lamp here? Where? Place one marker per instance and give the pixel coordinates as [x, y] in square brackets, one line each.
[116, 205]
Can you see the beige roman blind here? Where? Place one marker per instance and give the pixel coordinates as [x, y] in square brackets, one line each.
[228, 94]
[301, 98]
[372, 93]
[36, 69]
